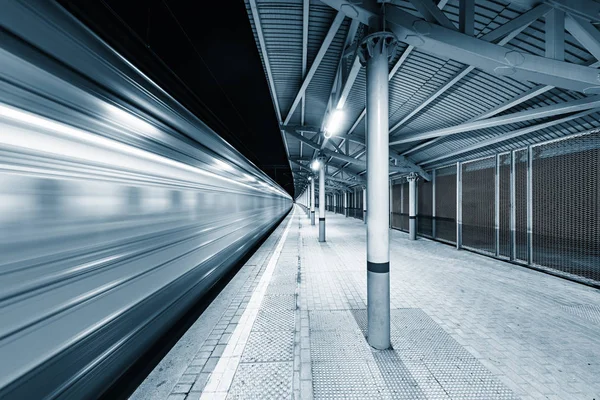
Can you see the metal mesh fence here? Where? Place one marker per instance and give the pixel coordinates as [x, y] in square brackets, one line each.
[424, 207]
[542, 211]
[520, 189]
[445, 204]
[566, 204]
[504, 205]
[478, 204]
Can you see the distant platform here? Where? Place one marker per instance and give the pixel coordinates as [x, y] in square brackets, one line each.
[292, 324]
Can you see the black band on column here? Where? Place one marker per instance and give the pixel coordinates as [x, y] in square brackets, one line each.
[412, 217]
[380, 268]
[321, 219]
[312, 212]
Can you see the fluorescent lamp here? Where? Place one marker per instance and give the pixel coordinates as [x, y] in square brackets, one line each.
[315, 165]
[334, 123]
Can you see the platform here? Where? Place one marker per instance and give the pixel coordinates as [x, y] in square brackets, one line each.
[291, 324]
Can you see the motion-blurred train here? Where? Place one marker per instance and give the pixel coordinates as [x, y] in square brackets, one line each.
[118, 207]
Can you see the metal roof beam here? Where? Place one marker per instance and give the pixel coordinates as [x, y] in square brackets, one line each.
[586, 9]
[411, 168]
[335, 25]
[585, 33]
[457, 78]
[432, 13]
[504, 32]
[299, 159]
[489, 57]
[396, 67]
[393, 71]
[511, 135]
[524, 19]
[348, 83]
[466, 17]
[527, 95]
[303, 139]
[265, 56]
[329, 176]
[554, 34]
[305, 14]
[355, 178]
[363, 164]
[342, 168]
[351, 138]
[348, 77]
[343, 82]
[527, 115]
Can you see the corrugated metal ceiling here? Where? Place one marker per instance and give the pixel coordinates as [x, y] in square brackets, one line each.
[420, 76]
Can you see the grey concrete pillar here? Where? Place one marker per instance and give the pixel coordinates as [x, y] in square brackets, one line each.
[307, 200]
[459, 205]
[322, 202]
[312, 201]
[364, 198]
[412, 206]
[346, 204]
[375, 49]
[333, 202]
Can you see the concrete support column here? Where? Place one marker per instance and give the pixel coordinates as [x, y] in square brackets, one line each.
[375, 48]
[412, 206]
[364, 197]
[312, 201]
[322, 202]
[459, 205]
[346, 204]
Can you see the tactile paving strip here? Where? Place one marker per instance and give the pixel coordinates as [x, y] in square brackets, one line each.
[331, 321]
[398, 379]
[260, 381]
[344, 380]
[439, 365]
[274, 320]
[347, 345]
[589, 312]
[279, 302]
[287, 288]
[269, 346]
[342, 361]
[360, 316]
[287, 278]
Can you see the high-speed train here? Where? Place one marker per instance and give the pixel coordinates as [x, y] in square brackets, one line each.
[118, 207]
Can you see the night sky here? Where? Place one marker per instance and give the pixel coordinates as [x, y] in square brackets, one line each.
[206, 58]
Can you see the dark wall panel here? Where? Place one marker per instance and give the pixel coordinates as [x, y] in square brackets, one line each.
[504, 206]
[521, 205]
[404, 213]
[478, 204]
[566, 204]
[424, 207]
[445, 203]
[396, 206]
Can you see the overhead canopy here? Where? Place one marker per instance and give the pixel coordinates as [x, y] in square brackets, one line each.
[468, 79]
